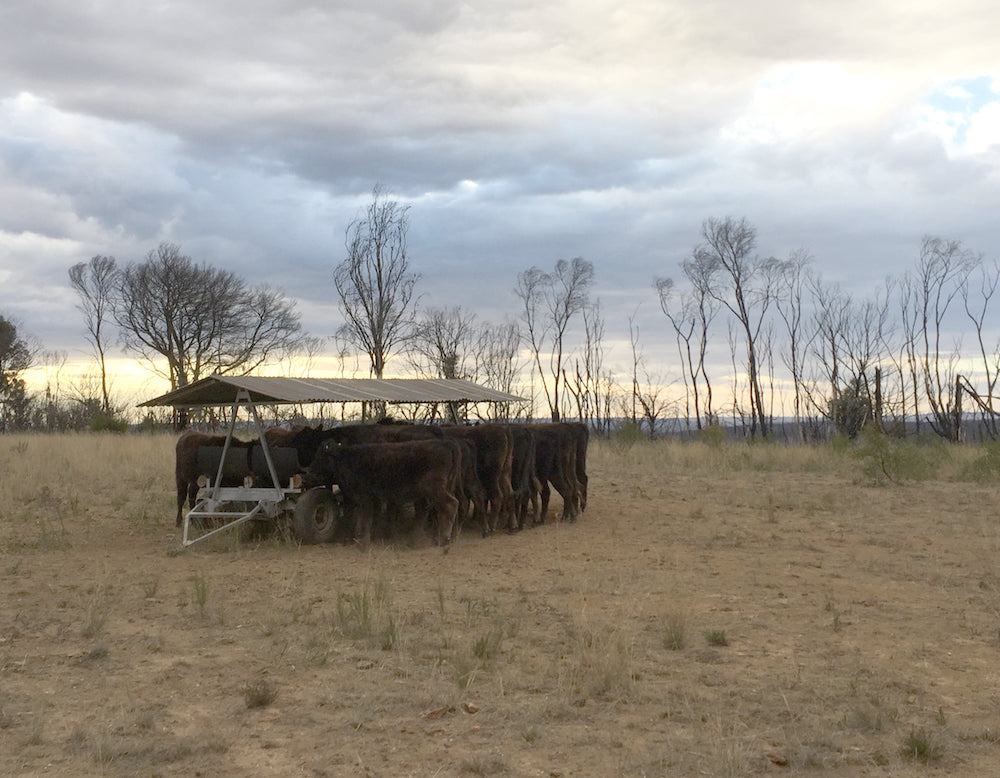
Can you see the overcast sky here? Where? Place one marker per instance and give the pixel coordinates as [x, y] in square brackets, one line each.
[520, 132]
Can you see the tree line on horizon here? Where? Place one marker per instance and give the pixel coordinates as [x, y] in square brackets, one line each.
[844, 362]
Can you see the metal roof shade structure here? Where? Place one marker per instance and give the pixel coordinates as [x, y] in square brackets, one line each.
[223, 390]
[231, 504]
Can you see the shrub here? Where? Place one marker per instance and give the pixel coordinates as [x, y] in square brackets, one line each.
[986, 466]
[368, 615]
[713, 435]
[888, 459]
[851, 410]
[105, 422]
[918, 746]
[673, 632]
[628, 434]
[259, 693]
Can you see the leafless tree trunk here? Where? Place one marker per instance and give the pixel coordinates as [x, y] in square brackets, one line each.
[743, 284]
[977, 302]
[909, 305]
[831, 318]
[374, 283]
[585, 384]
[645, 401]
[942, 270]
[791, 307]
[549, 301]
[593, 360]
[690, 316]
[96, 282]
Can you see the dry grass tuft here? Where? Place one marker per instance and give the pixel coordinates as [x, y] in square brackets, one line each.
[259, 693]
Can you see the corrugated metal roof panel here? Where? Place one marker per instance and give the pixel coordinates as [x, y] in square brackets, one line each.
[221, 390]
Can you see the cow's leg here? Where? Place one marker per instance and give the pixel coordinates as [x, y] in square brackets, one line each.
[572, 495]
[546, 493]
[582, 478]
[447, 513]
[181, 494]
[565, 488]
[533, 492]
[363, 510]
[496, 504]
[479, 507]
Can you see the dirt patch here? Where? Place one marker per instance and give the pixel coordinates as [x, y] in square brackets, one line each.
[722, 611]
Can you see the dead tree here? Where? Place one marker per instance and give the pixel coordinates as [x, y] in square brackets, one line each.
[549, 301]
[374, 283]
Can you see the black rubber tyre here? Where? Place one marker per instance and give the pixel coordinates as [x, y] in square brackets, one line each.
[317, 516]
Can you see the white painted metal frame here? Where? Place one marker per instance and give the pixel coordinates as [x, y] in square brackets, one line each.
[216, 501]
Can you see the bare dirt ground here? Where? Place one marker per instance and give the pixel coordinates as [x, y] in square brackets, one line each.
[722, 611]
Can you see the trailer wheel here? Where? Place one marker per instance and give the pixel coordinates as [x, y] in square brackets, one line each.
[317, 516]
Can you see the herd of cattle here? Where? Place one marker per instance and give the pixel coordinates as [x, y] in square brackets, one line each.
[393, 475]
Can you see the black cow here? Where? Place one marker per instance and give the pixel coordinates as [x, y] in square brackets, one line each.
[187, 467]
[470, 493]
[308, 439]
[555, 464]
[522, 474]
[493, 466]
[580, 434]
[376, 476]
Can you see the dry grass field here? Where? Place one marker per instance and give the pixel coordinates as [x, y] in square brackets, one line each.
[720, 610]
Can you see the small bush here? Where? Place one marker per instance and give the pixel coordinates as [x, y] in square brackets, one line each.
[368, 615]
[918, 746]
[716, 637]
[96, 654]
[484, 765]
[627, 435]
[714, 435]
[259, 693]
[673, 632]
[601, 664]
[986, 466]
[200, 591]
[103, 422]
[487, 646]
[888, 459]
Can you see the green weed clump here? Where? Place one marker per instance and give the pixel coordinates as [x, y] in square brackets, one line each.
[368, 615]
[200, 583]
[627, 435]
[887, 459]
[985, 467]
[713, 435]
[918, 746]
[259, 693]
[673, 626]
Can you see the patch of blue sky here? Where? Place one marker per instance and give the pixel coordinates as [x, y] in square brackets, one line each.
[963, 112]
[965, 95]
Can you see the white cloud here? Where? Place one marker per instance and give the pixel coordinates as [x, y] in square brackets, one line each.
[983, 132]
[801, 102]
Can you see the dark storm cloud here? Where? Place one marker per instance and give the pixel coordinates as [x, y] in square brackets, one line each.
[251, 133]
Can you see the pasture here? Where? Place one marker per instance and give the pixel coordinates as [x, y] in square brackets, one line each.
[722, 610]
